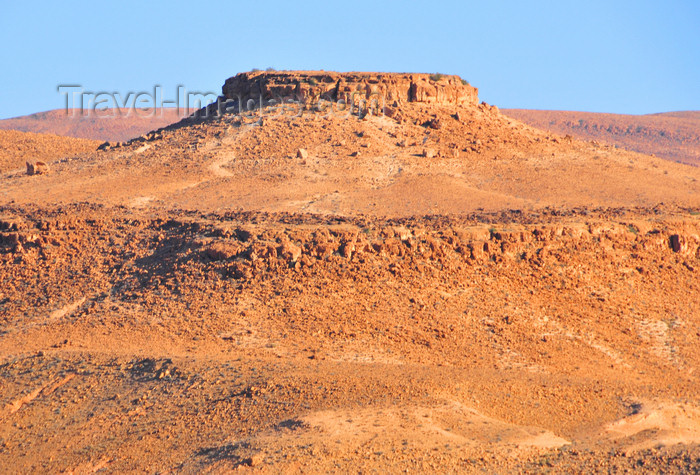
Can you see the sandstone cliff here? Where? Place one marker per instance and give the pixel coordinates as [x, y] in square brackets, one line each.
[386, 88]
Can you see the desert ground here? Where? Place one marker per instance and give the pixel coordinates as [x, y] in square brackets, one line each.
[429, 287]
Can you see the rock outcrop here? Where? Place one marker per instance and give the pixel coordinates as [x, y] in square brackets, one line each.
[312, 86]
[37, 168]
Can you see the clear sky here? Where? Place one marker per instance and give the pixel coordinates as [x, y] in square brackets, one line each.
[623, 56]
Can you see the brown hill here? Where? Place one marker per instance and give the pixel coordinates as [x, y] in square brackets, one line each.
[417, 284]
[672, 135]
[18, 147]
[95, 125]
[353, 165]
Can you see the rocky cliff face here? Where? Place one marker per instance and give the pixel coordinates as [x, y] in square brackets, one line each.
[385, 88]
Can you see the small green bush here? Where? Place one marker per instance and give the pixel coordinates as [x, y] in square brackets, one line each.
[436, 77]
[465, 82]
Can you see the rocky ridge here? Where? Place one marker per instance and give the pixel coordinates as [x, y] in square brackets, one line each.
[388, 88]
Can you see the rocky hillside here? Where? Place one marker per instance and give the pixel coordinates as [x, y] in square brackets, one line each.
[297, 341]
[435, 287]
[423, 158]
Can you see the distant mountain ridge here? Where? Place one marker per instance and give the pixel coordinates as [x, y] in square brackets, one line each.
[671, 135]
[109, 125]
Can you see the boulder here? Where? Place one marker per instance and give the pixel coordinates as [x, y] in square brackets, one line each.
[37, 168]
[289, 251]
[220, 251]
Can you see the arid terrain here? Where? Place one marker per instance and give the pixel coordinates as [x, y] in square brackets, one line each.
[423, 286]
[671, 135]
[674, 136]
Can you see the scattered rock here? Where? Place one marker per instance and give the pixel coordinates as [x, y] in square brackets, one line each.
[222, 250]
[302, 153]
[677, 243]
[428, 153]
[244, 233]
[37, 168]
[11, 224]
[347, 249]
[402, 232]
[488, 108]
[254, 461]
[289, 251]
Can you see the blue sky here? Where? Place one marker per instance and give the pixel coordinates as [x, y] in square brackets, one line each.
[603, 56]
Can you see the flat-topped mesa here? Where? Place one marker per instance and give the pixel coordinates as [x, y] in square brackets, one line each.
[386, 88]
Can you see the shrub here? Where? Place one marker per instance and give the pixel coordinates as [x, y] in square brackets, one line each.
[436, 77]
[465, 82]
[270, 69]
